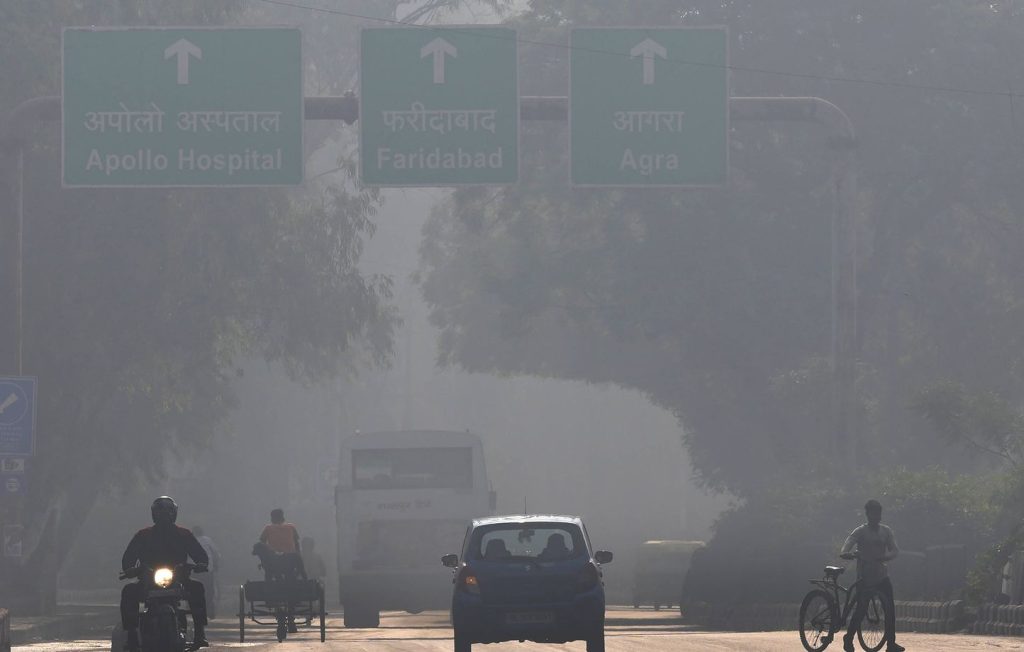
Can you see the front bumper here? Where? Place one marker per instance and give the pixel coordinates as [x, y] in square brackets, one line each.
[481, 622]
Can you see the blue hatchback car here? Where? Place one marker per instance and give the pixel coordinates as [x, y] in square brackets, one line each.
[528, 578]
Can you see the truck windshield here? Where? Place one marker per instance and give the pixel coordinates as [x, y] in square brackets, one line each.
[413, 468]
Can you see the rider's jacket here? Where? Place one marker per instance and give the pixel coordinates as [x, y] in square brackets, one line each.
[163, 546]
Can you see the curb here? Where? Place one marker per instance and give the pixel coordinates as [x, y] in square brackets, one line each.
[929, 617]
[999, 620]
[5, 631]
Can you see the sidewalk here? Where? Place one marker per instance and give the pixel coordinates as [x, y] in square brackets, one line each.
[71, 622]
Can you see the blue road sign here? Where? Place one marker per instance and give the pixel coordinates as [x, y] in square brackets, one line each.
[12, 464]
[13, 484]
[17, 416]
[13, 540]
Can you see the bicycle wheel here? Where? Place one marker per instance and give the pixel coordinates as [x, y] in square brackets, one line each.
[817, 621]
[871, 634]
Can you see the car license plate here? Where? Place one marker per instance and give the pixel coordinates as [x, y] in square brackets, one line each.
[529, 617]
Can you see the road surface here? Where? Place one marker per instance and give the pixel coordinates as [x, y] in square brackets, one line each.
[627, 631]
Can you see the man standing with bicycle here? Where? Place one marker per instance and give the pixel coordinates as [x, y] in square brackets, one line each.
[875, 546]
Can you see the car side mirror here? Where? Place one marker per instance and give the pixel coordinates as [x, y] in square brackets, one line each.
[603, 557]
[450, 561]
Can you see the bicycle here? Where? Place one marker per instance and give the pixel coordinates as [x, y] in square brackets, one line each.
[821, 618]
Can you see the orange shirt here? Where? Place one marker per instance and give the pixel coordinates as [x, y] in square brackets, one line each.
[281, 537]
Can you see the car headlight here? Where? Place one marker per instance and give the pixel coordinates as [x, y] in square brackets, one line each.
[163, 577]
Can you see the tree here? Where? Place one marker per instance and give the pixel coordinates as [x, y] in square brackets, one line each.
[989, 425]
[715, 303]
[141, 305]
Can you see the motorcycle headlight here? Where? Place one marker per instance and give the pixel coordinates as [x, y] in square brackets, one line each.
[163, 577]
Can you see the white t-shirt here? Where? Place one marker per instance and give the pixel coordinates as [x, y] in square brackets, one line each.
[211, 551]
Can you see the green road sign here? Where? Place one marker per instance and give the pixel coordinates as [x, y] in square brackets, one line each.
[649, 107]
[439, 106]
[182, 107]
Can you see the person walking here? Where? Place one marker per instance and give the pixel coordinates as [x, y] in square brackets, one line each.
[210, 580]
[316, 569]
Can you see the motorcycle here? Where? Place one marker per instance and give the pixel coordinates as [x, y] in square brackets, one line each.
[163, 624]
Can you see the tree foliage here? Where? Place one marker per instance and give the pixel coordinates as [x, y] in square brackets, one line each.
[980, 422]
[800, 525]
[142, 305]
[716, 303]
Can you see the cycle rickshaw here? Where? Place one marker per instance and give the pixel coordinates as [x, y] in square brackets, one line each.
[283, 598]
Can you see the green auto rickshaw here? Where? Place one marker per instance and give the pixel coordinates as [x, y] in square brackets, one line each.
[661, 567]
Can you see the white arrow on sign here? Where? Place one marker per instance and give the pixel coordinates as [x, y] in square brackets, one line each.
[8, 402]
[647, 49]
[183, 49]
[438, 48]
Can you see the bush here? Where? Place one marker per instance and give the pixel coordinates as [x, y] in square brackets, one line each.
[766, 549]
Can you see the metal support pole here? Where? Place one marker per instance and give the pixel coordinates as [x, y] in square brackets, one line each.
[8, 261]
[842, 142]
[19, 188]
[13, 139]
[844, 300]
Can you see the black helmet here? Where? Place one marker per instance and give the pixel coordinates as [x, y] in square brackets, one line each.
[164, 511]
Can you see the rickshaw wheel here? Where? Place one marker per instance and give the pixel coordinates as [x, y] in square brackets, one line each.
[282, 628]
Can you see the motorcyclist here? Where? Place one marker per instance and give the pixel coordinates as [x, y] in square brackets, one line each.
[163, 544]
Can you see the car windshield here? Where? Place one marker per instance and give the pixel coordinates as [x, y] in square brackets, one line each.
[527, 541]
